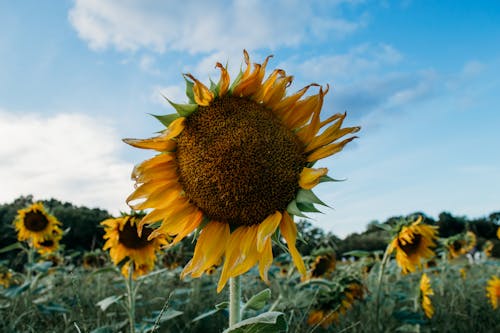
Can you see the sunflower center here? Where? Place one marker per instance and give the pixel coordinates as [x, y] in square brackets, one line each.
[237, 162]
[35, 221]
[129, 237]
[411, 248]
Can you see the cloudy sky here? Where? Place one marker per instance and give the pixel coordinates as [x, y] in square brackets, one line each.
[422, 78]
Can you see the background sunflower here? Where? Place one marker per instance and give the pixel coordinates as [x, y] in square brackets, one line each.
[35, 224]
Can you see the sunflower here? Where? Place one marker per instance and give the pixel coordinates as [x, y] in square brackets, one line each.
[413, 243]
[328, 307]
[488, 248]
[236, 163]
[498, 233]
[35, 224]
[123, 242]
[49, 245]
[94, 259]
[323, 265]
[461, 244]
[425, 293]
[5, 277]
[493, 291]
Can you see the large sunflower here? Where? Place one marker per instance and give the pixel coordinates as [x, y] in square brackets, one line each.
[237, 163]
[34, 224]
[123, 242]
[425, 293]
[493, 291]
[413, 243]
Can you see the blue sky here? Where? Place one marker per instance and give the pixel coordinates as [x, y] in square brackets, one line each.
[421, 77]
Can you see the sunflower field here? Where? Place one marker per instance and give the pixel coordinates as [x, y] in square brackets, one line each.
[216, 240]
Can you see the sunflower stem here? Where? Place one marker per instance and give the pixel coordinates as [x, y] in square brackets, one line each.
[385, 259]
[131, 297]
[29, 268]
[234, 300]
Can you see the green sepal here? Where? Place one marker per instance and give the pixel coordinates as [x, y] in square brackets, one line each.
[307, 207]
[308, 196]
[236, 81]
[189, 91]
[214, 88]
[184, 110]
[326, 178]
[167, 119]
[294, 210]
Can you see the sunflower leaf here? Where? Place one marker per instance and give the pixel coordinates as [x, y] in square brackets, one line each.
[294, 210]
[11, 247]
[108, 301]
[308, 196]
[183, 110]
[258, 301]
[307, 207]
[214, 87]
[189, 91]
[167, 119]
[267, 322]
[236, 81]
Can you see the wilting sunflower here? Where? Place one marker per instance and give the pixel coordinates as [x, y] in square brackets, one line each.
[94, 259]
[413, 243]
[237, 163]
[323, 265]
[35, 224]
[425, 293]
[460, 244]
[124, 242]
[493, 291]
[329, 306]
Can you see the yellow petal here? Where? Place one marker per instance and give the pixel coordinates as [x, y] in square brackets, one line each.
[289, 231]
[202, 95]
[193, 223]
[175, 128]
[266, 260]
[328, 150]
[266, 229]
[274, 95]
[287, 103]
[224, 80]
[309, 177]
[328, 137]
[307, 133]
[231, 255]
[261, 92]
[159, 143]
[210, 247]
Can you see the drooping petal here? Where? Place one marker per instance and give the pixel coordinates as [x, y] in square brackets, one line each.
[262, 91]
[266, 260]
[309, 177]
[289, 231]
[283, 106]
[210, 247]
[224, 80]
[202, 95]
[266, 229]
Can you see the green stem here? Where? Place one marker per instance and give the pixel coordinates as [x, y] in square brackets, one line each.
[131, 297]
[29, 269]
[234, 300]
[385, 259]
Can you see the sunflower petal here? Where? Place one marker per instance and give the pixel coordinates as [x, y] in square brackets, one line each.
[159, 143]
[175, 128]
[210, 247]
[310, 177]
[224, 80]
[266, 260]
[328, 150]
[202, 95]
[266, 229]
[289, 231]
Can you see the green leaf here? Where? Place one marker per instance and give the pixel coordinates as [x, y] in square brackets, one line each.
[294, 210]
[108, 301]
[267, 322]
[222, 305]
[307, 207]
[15, 291]
[52, 308]
[214, 88]
[206, 314]
[167, 119]
[259, 300]
[409, 317]
[11, 247]
[183, 110]
[236, 81]
[165, 316]
[103, 329]
[189, 91]
[308, 196]
[42, 267]
[326, 178]
[357, 253]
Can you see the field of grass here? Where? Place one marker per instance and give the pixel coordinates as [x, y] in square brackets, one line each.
[62, 296]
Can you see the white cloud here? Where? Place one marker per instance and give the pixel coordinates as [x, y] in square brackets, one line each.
[207, 26]
[70, 157]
